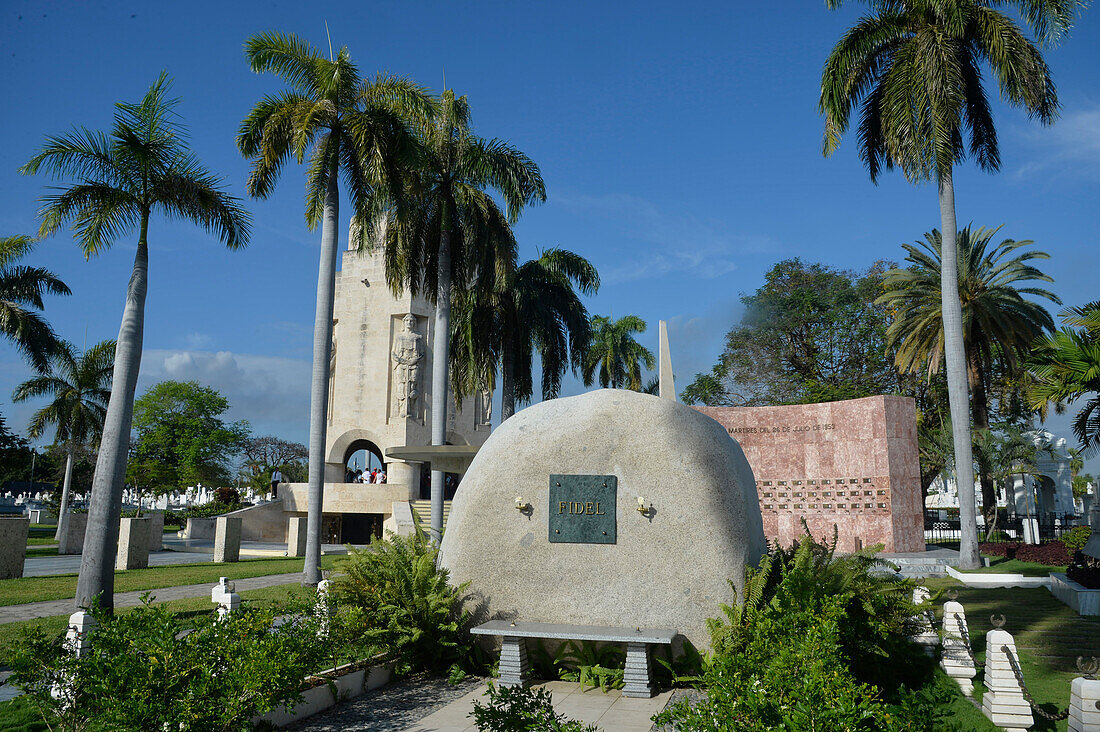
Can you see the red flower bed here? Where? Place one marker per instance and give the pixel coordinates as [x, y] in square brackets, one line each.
[1054, 553]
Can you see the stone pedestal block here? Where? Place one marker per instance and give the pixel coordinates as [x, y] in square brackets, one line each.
[72, 541]
[13, 546]
[227, 539]
[296, 536]
[226, 598]
[133, 543]
[956, 660]
[156, 531]
[1084, 705]
[636, 677]
[1004, 703]
[513, 662]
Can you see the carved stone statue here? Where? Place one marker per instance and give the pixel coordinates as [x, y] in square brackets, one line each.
[483, 408]
[407, 355]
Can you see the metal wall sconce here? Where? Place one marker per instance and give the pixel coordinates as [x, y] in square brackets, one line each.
[522, 505]
[642, 508]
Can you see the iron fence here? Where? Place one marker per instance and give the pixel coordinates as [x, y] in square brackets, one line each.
[942, 527]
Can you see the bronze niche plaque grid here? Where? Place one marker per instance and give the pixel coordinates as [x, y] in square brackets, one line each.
[582, 509]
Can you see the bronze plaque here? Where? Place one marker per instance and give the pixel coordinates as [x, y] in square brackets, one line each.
[582, 509]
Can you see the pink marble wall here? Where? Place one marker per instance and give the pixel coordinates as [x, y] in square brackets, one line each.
[852, 464]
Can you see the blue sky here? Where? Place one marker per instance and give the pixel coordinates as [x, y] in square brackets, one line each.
[680, 144]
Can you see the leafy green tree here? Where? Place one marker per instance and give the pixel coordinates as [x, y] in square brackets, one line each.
[181, 437]
[999, 323]
[1001, 454]
[810, 333]
[1066, 367]
[265, 454]
[15, 455]
[120, 180]
[914, 69]
[80, 386]
[451, 234]
[533, 308]
[350, 127]
[613, 356]
[21, 291]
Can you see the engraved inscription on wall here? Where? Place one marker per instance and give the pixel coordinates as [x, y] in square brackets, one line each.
[582, 509]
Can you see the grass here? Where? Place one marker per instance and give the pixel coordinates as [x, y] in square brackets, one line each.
[12, 714]
[1049, 636]
[999, 565]
[41, 551]
[60, 587]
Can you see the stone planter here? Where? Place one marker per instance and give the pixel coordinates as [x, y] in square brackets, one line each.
[345, 682]
[1078, 597]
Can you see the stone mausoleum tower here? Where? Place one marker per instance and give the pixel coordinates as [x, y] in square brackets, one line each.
[380, 397]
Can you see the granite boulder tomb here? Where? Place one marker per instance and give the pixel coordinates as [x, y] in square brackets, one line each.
[612, 508]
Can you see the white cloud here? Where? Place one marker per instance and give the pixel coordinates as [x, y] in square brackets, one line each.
[676, 242]
[271, 392]
[1070, 145]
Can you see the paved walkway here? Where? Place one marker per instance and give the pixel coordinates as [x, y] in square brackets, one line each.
[50, 608]
[414, 705]
[612, 711]
[70, 563]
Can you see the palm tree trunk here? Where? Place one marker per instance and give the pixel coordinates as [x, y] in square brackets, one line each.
[322, 347]
[980, 401]
[955, 362]
[97, 563]
[63, 510]
[440, 361]
[507, 379]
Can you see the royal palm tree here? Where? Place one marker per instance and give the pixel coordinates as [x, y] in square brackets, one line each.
[615, 354]
[452, 235]
[120, 180]
[80, 385]
[914, 69]
[1066, 367]
[348, 126]
[534, 308]
[21, 291]
[999, 323]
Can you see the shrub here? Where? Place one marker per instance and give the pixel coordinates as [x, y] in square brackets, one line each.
[213, 508]
[408, 606]
[1005, 549]
[147, 671]
[816, 642]
[1053, 553]
[1076, 538]
[227, 494]
[520, 709]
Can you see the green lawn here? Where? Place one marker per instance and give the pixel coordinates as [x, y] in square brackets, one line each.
[41, 551]
[1049, 637]
[59, 587]
[1015, 566]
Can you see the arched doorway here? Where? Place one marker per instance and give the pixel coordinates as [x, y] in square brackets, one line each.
[361, 456]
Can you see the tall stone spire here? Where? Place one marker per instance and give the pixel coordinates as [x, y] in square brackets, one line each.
[666, 384]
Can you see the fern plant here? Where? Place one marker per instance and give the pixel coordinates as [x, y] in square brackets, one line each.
[409, 606]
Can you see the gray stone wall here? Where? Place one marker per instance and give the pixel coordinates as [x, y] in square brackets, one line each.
[227, 539]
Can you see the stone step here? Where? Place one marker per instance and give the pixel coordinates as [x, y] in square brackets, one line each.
[422, 512]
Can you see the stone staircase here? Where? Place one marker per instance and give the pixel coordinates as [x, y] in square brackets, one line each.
[918, 567]
[422, 512]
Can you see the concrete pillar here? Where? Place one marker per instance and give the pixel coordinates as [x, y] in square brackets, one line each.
[407, 474]
[956, 660]
[72, 541]
[636, 678]
[133, 543]
[227, 539]
[1084, 705]
[1003, 702]
[13, 546]
[225, 597]
[296, 536]
[156, 531]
